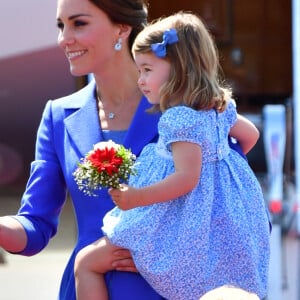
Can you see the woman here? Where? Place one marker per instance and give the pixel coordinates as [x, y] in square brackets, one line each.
[96, 37]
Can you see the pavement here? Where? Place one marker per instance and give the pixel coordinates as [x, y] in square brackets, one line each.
[35, 278]
[38, 277]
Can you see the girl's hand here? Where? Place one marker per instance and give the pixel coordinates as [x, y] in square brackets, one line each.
[123, 261]
[126, 197]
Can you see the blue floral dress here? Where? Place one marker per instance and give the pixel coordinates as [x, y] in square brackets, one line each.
[217, 234]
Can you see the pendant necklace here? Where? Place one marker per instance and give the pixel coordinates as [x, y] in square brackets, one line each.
[111, 115]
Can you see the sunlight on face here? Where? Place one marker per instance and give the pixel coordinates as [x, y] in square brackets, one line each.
[86, 35]
[154, 72]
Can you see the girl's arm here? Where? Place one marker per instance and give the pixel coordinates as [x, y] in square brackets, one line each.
[187, 160]
[245, 132]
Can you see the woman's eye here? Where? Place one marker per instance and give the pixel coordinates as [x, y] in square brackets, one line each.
[60, 25]
[79, 23]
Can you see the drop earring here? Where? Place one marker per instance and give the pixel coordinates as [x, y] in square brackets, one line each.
[118, 45]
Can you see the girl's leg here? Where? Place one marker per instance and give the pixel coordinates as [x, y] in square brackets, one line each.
[90, 265]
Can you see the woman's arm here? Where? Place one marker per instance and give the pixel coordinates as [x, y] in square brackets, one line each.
[13, 237]
[30, 230]
[187, 160]
[245, 132]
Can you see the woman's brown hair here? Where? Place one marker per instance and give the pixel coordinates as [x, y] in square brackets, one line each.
[129, 12]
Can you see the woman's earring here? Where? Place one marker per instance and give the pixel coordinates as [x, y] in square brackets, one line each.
[118, 45]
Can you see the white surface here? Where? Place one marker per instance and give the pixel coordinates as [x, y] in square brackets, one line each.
[26, 26]
[296, 95]
[34, 278]
[37, 277]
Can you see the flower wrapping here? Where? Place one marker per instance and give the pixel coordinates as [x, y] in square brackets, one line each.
[106, 166]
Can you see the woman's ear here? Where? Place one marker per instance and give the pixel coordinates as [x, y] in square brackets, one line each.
[124, 31]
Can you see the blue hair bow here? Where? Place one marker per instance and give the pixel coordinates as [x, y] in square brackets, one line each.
[169, 37]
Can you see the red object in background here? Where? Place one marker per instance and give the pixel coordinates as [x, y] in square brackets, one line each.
[275, 206]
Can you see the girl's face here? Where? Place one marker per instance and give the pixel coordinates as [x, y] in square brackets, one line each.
[154, 72]
[86, 35]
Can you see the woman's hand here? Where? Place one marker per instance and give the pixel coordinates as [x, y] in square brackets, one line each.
[13, 237]
[123, 261]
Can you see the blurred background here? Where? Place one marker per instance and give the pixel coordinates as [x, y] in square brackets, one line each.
[258, 42]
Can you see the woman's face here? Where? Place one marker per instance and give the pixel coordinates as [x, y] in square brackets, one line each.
[86, 35]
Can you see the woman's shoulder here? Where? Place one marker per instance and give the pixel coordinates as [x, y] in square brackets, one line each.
[77, 98]
[59, 109]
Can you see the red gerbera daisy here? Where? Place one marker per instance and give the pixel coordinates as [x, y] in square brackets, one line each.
[105, 160]
[107, 165]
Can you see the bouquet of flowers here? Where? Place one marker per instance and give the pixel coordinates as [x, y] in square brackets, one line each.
[107, 165]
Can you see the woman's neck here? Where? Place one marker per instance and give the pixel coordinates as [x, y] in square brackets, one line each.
[118, 85]
[118, 96]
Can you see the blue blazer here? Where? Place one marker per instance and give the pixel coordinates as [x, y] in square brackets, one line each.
[68, 130]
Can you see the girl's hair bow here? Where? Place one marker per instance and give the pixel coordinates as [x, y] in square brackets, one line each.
[169, 37]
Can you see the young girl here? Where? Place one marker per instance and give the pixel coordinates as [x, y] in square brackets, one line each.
[194, 217]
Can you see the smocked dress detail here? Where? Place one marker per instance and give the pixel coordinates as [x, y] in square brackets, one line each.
[217, 234]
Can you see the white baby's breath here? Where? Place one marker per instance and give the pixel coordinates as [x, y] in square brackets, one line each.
[107, 165]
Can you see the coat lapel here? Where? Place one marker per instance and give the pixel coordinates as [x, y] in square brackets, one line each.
[82, 123]
[143, 128]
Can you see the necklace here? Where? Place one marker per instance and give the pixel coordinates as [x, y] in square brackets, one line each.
[111, 114]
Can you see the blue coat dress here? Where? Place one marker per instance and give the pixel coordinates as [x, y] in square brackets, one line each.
[68, 130]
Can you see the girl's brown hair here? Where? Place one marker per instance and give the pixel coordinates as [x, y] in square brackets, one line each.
[194, 77]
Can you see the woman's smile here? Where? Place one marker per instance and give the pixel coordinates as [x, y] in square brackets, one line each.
[75, 54]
